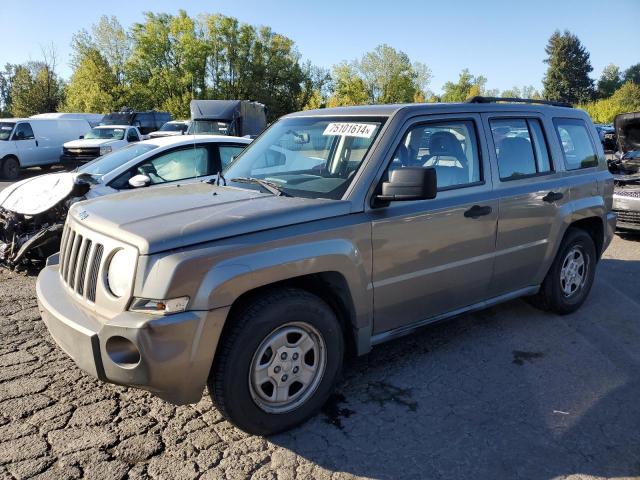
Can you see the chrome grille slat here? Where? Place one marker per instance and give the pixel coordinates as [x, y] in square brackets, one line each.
[94, 270]
[67, 254]
[77, 273]
[73, 257]
[82, 275]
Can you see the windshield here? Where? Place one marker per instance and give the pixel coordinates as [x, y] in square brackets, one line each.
[105, 133]
[314, 157]
[5, 130]
[111, 161]
[212, 127]
[174, 127]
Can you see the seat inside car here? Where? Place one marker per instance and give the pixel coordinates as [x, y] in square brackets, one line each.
[444, 146]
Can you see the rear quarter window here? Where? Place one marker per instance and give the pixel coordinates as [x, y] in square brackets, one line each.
[577, 147]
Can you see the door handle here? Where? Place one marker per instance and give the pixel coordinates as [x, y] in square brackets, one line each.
[36, 143]
[552, 197]
[478, 211]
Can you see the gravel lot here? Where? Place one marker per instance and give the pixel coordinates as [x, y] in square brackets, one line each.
[506, 393]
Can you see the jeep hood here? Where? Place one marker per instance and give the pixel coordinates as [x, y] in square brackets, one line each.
[169, 217]
[628, 131]
[90, 142]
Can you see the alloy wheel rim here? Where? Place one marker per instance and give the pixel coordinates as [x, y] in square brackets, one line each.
[573, 274]
[287, 367]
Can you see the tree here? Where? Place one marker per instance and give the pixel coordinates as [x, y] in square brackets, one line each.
[92, 86]
[609, 82]
[527, 91]
[625, 99]
[467, 86]
[6, 77]
[567, 77]
[390, 77]
[348, 87]
[632, 74]
[35, 86]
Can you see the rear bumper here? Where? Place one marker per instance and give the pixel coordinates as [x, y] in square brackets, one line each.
[175, 352]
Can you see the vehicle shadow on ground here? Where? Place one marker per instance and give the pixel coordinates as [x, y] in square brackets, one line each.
[504, 393]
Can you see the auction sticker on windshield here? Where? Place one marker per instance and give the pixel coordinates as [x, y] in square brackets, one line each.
[349, 129]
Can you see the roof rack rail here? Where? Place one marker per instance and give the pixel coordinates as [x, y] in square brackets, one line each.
[481, 99]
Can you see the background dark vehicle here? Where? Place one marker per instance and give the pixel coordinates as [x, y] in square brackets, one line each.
[227, 117]
[607, 135]
[146, 122]
[626, 170]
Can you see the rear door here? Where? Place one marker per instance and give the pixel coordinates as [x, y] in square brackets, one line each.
[27, 145]
[533, 193]
[435, 256]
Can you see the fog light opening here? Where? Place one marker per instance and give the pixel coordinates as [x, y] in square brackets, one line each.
[123, 352]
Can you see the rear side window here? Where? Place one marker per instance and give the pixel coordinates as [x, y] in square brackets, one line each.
[578, 149]
[521, 148]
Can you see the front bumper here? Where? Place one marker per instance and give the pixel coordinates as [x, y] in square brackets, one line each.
[75, 160]
[628, 210]
[176, 351]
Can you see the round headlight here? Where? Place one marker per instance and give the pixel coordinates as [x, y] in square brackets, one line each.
[120, 273]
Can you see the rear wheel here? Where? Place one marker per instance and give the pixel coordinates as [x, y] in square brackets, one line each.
[278, 363]
[571, 275]
[10, 168]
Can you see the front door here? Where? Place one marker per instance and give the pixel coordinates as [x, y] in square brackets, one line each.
[435, 256]
[27, 146]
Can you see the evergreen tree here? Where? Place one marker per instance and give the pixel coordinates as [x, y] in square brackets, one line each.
[632, 74]
[567, 78]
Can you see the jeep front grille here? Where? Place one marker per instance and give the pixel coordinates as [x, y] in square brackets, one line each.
[635, 193]
[80, 261]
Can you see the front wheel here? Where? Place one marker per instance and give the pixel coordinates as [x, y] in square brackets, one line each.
[277, 364]
[10, 168]
[571, 275]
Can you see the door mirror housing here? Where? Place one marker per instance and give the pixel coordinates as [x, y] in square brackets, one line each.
[138, 181]
[81, 137]
[410, 183]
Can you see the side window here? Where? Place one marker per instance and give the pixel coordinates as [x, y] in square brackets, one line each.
[228, 153]
[23, 132]
[132, 135]
[576, 143]
[520, 146]
[449, 147]
[177, 165]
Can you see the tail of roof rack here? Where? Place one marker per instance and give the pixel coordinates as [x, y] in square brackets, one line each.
[481, 99]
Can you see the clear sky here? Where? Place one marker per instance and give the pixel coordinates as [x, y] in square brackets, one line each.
[502, 40]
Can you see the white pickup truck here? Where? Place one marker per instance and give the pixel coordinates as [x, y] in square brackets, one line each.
[97, 142]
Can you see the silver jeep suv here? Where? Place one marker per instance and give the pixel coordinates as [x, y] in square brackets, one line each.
[334, 231]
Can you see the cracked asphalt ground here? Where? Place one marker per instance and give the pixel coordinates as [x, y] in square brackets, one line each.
[510, 392]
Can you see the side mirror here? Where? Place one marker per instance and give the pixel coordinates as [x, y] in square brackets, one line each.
[138, 181]
[410, 183]
[80, 137]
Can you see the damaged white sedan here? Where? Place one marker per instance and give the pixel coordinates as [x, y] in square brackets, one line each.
[33, 211]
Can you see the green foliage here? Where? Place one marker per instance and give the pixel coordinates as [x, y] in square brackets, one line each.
[527, 91]
[567, 78]
[625, 99]
[632, 74]
[6, 77]
[466, 87]
[92, 86]
[609, 82]
[384, 75]
[35, 88]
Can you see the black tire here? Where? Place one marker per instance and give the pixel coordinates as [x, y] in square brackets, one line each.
[254, 324]
[551, 296]
[10, 168]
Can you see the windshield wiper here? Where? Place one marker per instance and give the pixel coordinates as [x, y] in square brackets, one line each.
[271, 187]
